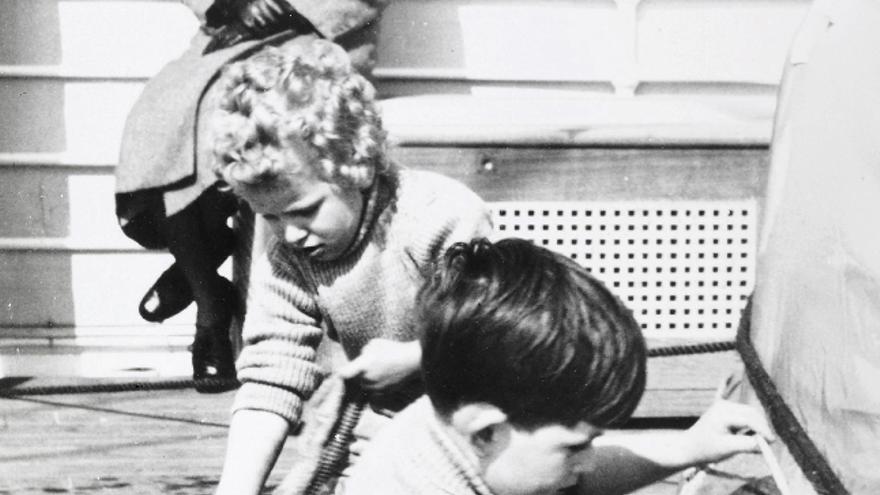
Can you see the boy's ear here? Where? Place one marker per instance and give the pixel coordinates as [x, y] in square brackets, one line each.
[481, 424]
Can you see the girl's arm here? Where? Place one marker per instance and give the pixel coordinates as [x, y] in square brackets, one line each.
[277, 369]
[255, 440]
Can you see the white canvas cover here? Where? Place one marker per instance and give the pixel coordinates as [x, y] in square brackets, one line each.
[816, 308]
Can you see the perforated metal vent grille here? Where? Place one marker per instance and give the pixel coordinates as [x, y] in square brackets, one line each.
[681, 266]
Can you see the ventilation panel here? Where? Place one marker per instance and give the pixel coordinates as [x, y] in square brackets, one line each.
[683, 267]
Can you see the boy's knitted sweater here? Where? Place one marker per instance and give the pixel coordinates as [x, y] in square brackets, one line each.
[414, 454]
[369, 293]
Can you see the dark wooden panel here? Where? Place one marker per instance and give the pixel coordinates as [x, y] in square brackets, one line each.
[584, 174]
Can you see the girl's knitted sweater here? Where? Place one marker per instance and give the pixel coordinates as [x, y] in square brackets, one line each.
[369, 293]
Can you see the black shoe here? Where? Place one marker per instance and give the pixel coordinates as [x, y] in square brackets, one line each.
[213, 361]
[167, 297]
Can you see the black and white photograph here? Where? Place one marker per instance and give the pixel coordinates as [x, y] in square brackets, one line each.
[439, 247]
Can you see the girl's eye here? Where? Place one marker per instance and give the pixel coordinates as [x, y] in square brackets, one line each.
[304, 212]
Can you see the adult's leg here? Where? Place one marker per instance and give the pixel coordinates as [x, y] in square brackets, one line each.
[199, 239]
[171, 293]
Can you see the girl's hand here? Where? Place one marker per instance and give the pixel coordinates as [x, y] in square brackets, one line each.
[383, 363]
[725, 429]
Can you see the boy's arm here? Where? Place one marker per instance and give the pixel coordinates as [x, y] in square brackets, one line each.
[255, 440]
[625, 461]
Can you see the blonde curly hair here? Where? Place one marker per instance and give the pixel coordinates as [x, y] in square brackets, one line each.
[305, 89]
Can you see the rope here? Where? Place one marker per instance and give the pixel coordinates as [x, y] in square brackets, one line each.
[224, 384]
[686, 349]
[805, 453]
[207, 384]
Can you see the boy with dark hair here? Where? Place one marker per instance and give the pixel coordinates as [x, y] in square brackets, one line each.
[526, 359]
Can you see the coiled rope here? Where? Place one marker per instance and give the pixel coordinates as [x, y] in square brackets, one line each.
[335, 452]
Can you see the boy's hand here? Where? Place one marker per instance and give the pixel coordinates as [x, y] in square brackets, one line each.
[383, 363]
[623, 461]
[725, 429]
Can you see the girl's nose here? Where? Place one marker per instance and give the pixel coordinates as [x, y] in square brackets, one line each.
[294, 234]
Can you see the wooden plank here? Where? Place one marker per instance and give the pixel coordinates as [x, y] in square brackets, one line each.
[134, 442]
[685, 386]
[126, 35]
[48, 199]
[46, 288]
[486, 38]
[162, 442]
[56, 116]
[673, 41]
[160, 356]
[58, 202]
[517, 117]
[88, 162]
[717, 41]
[584, 174]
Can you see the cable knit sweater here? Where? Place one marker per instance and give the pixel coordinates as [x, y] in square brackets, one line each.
[413, 455]
[369, 293]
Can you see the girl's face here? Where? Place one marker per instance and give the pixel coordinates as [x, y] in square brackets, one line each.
[316, 217]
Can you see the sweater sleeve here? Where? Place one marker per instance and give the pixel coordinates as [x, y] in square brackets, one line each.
[281, 333]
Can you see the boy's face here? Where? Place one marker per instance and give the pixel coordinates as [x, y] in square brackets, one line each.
[318, 218]
[539, 461]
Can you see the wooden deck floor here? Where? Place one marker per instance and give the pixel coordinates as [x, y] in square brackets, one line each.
[173, 441]
[131, 442]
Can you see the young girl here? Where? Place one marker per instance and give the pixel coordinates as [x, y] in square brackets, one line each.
[300, 139]
[167, 196]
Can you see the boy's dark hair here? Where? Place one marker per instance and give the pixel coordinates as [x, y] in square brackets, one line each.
[531, 332]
